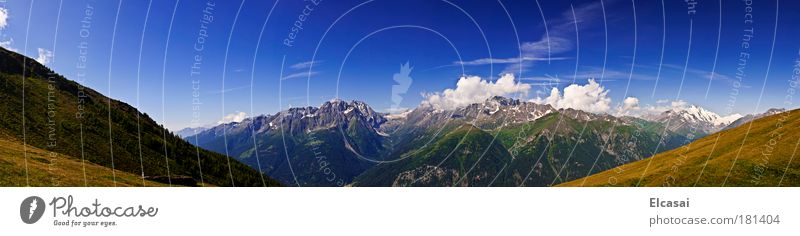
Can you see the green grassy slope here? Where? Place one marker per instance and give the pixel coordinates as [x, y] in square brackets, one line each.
[46, 168]
[62, 116]
[764, 155]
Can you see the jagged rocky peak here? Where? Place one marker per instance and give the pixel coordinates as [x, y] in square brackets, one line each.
[357, 109]
[297, 112]
[330, 113]
[255, 120]
[257, 123]
[338, 105]
[502, 101]
[301, 119]
[334, 104]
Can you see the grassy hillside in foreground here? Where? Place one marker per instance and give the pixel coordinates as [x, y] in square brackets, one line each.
[47, 169]
[764, 156]
[53, 113]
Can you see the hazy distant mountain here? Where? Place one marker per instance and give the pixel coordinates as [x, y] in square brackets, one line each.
[186, 132]
[752, 117]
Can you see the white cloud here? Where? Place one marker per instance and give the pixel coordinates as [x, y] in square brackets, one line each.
[663, 105]
[45, 56]
[7, 45]
[3, 18]
[233, 117]
[561, 35]
[304, 65]
[228, 90]
[630, 103]
[697, 73]
[558, 39]
[591, 97]
[304, 74]
[629, 107]
[557, 43]
[609, 74]
[487, 61]
[473, 89]
[531, 52]
[666, 105]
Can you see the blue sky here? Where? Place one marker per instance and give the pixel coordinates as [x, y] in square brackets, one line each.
[358, 46]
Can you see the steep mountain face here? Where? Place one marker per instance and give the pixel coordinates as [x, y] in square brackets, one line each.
[308, 146]
[761, 154]
[751, 117]
[512, 143]
[693, 120]
[63, 117]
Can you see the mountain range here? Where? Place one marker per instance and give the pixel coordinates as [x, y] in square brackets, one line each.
[498, 142]
[307, 146]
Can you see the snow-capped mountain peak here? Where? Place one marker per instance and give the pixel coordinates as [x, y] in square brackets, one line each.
[699, 114]
[693, 118]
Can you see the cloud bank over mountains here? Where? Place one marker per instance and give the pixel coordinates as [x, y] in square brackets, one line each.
[591, 97]
[473, 89]
[233, 117]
